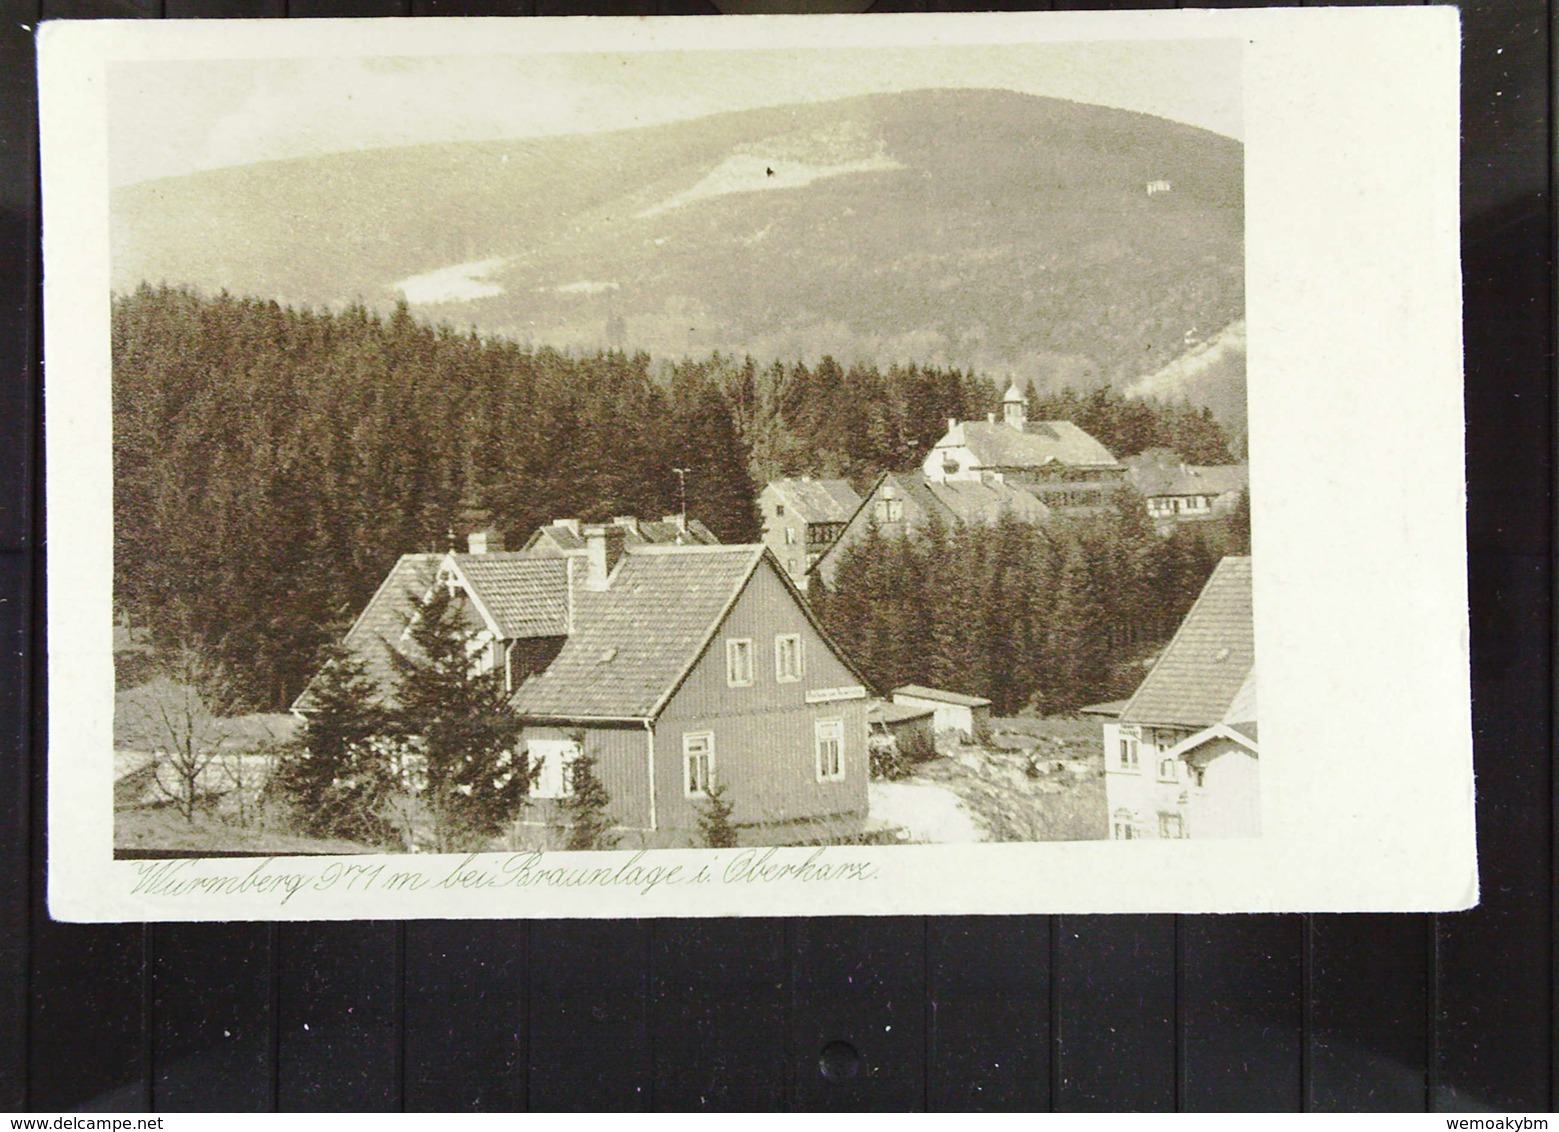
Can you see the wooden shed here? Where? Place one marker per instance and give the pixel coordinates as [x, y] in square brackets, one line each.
[969, 717]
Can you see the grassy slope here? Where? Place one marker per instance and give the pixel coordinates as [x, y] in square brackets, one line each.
[1016, 232]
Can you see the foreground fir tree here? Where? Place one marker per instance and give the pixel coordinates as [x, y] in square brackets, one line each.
[714, 820]
[585, 807]
[336, 777]
[473, 783]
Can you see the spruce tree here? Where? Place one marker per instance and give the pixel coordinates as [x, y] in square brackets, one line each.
[714, 820]
[460, 723]
[586, 806]
[336, 776]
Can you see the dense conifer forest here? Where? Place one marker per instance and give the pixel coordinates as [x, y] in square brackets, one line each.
[271, 464]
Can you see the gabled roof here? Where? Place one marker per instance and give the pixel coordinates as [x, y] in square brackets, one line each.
[920, 692]
[975, 501]
[817, 501]
[379, 627]
[1154, 479]
[521, 594]
[1207, 664]
[896, 713]
[636, 532]
[1000, 445]
[1190, 748]
[633, 641]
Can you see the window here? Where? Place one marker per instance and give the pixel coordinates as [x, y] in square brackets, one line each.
[1121, 826]
[1168, 770]
[790, 536]
[738, 662]
[698, 763]
[1171, 825]
[787, 658]
[556, 756]
[830, 749]
[890, 510]
[779, 508]
[1128, 752]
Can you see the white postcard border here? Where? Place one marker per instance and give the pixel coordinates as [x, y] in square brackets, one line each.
[1356, 426]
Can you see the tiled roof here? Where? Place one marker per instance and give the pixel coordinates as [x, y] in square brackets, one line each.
[633, 642]
[999, 445]
[818, 501]
[921, 692]
[975, 501]
[637, 532]
[897, 713]
[379, 627]
[526, 596]
[1205, 667]
[1188, 479]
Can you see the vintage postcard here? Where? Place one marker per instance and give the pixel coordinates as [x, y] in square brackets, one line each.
[996, 463]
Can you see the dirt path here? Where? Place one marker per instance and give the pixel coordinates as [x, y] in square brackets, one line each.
[928, 813]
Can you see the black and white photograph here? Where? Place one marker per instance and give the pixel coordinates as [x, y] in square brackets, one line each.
[816, 451]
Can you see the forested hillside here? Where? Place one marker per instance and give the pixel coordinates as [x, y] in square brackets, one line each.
[1048, 619]
[271, 464]
[970, 228]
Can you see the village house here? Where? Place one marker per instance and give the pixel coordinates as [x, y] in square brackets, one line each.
[680, 668]
[907, 504]
[1055, 461]
[1181, 756]
[968, 718]
[563, 535]
[1177, 492]
[802, 518]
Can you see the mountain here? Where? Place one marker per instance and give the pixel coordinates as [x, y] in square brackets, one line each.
[976, 228]
[1210, 373]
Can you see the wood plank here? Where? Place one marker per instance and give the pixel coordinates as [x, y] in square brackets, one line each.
[224, 9]
[466, 996]
[589, 1016]
[16, 582]
[101, 9]
[211, 1018]
[719, 1006]
[1368, 1013]
[1115, 1014]
[338, 1020]
[990, 1014]
[473, 8]
[1495, 978]
[87, 1048]
[1241, 1011]
[19, 226]
[858, 1022]
[347, 9]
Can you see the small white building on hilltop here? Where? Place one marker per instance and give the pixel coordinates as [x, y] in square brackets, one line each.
[1181, 759]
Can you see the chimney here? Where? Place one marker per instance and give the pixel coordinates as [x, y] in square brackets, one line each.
[952, 423]
[990, 418]
[603, 549]
[487, 540]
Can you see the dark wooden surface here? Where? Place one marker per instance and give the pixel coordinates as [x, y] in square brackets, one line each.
[1071, 1013]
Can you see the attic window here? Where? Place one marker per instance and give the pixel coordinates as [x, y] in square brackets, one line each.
[1221, 655]
[607, 655]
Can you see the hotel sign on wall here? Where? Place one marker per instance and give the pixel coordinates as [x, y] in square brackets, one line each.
[830, 695]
